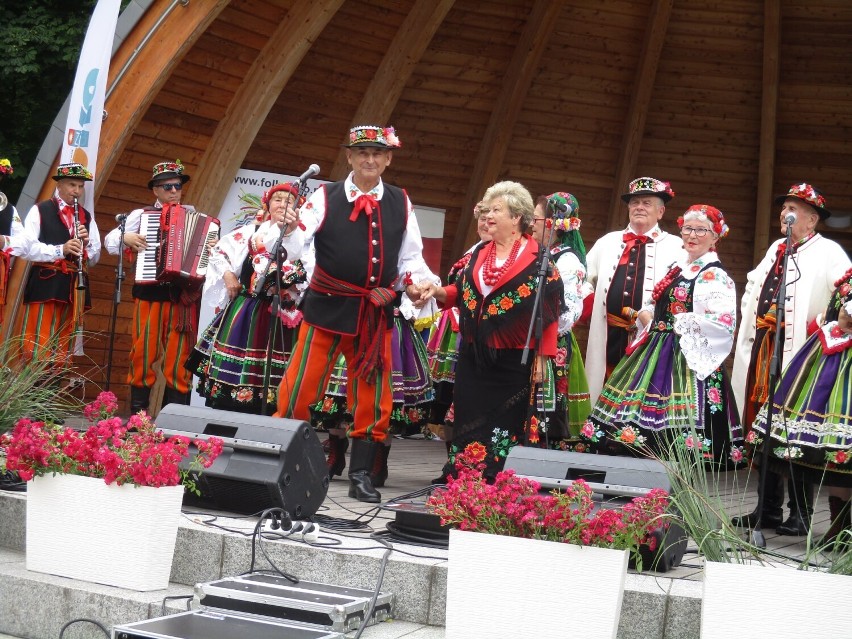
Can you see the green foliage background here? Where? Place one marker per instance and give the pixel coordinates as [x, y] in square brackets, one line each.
[40, 43]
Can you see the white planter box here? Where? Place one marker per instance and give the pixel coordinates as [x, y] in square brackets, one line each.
[121, 536]
[524, 588]
[779, 602]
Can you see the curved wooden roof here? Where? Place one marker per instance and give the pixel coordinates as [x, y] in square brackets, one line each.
[731, 101]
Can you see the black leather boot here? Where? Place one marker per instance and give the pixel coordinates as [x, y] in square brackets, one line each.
[801, 505]
[773, 501]
[379, 474]
[841, 519]
[139, 398]
[360, 464]
[174, 396]
[336, 460]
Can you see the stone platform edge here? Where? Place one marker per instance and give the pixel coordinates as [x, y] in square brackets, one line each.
[36, 605]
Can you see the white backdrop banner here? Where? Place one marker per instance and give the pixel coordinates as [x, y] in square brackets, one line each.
[85, 114]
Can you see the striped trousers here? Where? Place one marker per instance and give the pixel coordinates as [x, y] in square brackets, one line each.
[311, 364]
[47, 329]
[154, 336]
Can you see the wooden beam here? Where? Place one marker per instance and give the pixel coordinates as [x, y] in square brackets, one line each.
[148, 72]
[522, 68]
[392, 75]
[255, 97]
[768, 124]
[643, 90]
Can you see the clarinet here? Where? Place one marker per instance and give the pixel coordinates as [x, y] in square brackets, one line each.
[81, 277]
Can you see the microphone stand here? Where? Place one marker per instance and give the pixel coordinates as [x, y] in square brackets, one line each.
[276, 326]
[119, 278]
[757, 537]
[537, 317]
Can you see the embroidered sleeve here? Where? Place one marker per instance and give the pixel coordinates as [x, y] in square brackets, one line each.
[707, 332]
[227, 255]
[573, 279]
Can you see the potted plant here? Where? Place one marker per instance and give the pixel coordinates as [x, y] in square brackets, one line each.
[116, 485]
[536, 550]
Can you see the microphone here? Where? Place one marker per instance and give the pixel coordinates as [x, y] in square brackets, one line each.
[313, 170]
[121, 217]
[560, 206]
[790, 219]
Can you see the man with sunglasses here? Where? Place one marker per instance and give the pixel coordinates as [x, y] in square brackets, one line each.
[158, 307]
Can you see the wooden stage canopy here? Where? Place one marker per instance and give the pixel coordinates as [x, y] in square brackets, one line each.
[729, 100]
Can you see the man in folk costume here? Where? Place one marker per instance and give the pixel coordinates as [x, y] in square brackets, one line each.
[815, 265]
[14, 240]
[165, 314]
[623, 267]
[367, 244]
[53, 305]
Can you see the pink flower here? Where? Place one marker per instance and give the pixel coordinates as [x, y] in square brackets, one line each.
[714, 395]
[588, 429]
[736, 455]
[727, 319]
[680, 294]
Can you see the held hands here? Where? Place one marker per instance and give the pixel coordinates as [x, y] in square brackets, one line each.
[421, 293]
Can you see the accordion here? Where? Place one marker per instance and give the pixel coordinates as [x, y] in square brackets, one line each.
[180, 249]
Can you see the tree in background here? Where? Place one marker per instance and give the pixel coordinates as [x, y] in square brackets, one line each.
[41, 45]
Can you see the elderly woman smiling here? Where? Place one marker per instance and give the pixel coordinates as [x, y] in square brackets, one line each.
[672, 379]
[495, 294]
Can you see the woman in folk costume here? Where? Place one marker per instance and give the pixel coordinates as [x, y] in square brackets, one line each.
[495, 295]
[444, 341]
[230, 357]
[411, 387]
[672, 379]
[812, 413]
[557, 224]
[14, 241]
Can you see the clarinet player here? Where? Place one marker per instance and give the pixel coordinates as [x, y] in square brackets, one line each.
[53, 305]
[165, 314]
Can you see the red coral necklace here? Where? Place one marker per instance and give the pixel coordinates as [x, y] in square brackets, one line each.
[490, 273]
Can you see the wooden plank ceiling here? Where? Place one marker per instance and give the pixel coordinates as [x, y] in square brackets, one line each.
[577, 95]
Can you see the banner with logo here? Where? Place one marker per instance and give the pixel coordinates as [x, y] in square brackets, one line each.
[85, 114]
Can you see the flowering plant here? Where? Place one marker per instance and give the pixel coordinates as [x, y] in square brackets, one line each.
[513, 506]
[132, 453]
[5, 167]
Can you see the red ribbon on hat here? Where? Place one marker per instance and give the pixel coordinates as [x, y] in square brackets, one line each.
[364, 202]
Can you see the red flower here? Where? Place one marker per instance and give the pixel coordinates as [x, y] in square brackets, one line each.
[506, 303]
[524, 290]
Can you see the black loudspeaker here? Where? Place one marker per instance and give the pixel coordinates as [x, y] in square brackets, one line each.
[266, 462]
[614, 480]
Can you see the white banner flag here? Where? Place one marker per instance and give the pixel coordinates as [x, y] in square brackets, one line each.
[83, 127]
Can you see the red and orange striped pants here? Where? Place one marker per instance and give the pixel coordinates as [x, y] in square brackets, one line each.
[308, 371]
[154, 335]
[47, 329]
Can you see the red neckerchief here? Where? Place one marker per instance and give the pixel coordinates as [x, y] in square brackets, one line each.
[364, 202]
[630, 240]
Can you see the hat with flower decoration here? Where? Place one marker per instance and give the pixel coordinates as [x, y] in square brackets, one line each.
[706, 213]
[809, 195]
[373, 136]
[5, 168]
[72, 170]
[649, 186]
[290, 187]
[167, 171]
[564, 209]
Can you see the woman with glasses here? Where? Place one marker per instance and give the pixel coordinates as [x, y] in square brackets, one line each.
[231, 354]
[672, 383]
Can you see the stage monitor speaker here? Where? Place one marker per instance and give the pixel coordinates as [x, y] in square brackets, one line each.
[614, 480]
[266, 462]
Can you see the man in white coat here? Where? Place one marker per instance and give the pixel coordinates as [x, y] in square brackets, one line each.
[623, 267]
[815, 265]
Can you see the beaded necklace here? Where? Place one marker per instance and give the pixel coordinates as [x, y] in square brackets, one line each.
[663, 284]
[490, 273]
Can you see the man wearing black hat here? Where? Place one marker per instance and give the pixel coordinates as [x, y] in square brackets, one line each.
[623, 266]
[367, 245]
[163, 312]
[815, 265]
[53, 305]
